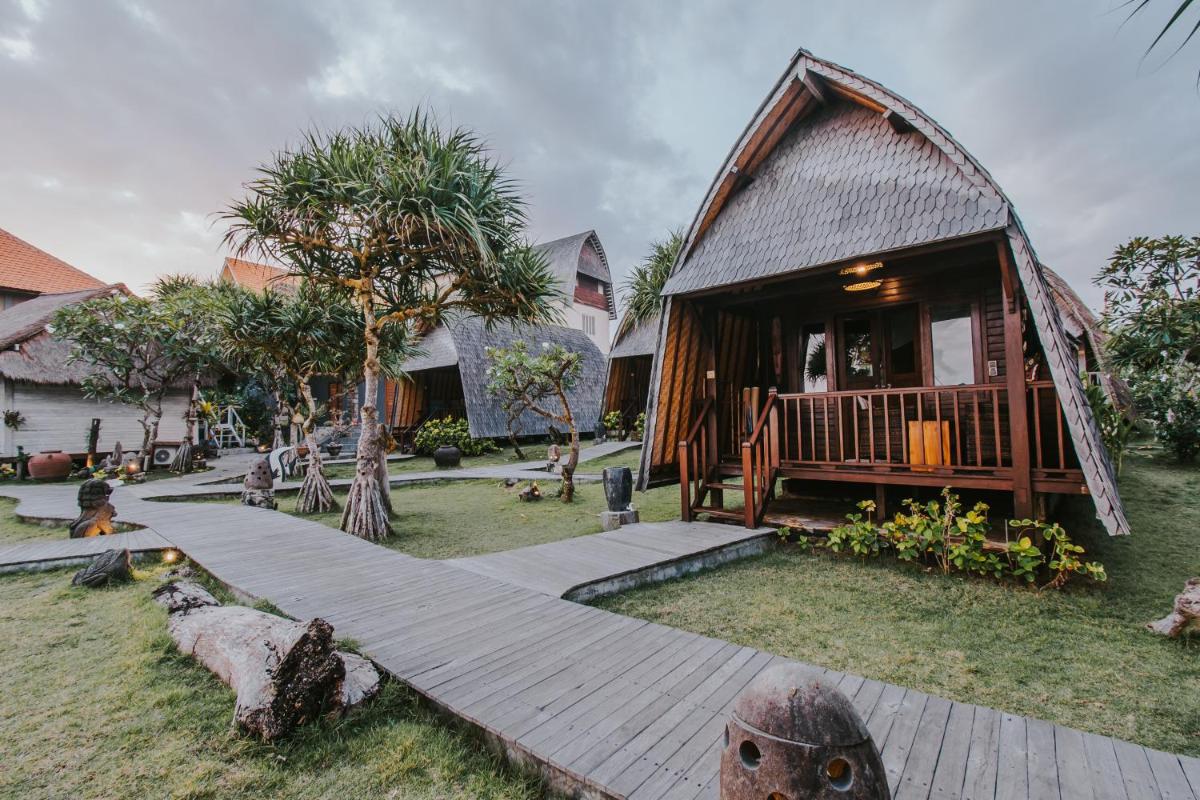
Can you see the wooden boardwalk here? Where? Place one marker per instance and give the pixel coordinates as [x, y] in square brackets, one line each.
[612, 706]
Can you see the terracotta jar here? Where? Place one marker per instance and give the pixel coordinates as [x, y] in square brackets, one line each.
[49, 465]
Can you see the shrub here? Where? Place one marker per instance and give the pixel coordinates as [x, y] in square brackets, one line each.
[639, 426]
[435, 433]
[941, 533]
[1172, 403]
[612, 421]
[1116, 428]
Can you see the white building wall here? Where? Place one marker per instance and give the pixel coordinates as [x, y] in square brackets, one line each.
[597, 330]
[59, 417]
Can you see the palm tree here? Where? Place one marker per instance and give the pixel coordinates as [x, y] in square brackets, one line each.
[416, 223]
[643, 290]
[1175, 19]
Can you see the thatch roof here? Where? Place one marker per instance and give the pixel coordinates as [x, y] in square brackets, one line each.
[581, 252]
[28, 352]
[1078, 320]
[635, 338]
[835, 167]
[465, 341]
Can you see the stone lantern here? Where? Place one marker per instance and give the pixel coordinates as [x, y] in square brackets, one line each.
[793, 736]
[258, 485]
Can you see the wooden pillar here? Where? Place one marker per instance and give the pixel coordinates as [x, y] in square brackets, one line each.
[1014, 371]
[708, 362]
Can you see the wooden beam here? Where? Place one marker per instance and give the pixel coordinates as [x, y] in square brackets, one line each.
[1014, 376]
[816, 87]
[899, 124]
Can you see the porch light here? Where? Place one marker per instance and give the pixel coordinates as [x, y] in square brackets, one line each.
[862, 286]
[861, 269]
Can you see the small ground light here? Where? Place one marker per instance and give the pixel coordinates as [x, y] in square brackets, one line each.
[170, 556]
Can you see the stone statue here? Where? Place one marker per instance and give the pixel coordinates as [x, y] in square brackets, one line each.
[95, 512]
[114, 460]
[258, 486]
[553, 455]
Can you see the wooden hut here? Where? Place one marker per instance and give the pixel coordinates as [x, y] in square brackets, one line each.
[857, 303]
[450, 378]
[629, 365]
[38, 381]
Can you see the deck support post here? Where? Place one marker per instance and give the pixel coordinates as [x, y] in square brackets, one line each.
[1014, 373]
[708, 345]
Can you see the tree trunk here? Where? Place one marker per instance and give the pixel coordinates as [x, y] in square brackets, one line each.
[381, 474]
[284, 672]
[568, 469]
[183, 456]
[316, 497]
[365, 515]
[1184, 615]
[277, 440]
[151, 436]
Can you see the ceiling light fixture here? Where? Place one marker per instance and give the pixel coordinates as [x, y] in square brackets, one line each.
[862, 286]
[861, 269]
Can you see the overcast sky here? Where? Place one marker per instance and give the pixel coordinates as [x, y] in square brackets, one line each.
[125, 125]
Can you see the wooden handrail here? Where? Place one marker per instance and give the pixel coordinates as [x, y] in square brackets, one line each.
[693, 464]
[760, 453]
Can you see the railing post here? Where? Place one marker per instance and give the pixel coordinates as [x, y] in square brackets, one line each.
[748, 485]
[773, 426]
[685, 483]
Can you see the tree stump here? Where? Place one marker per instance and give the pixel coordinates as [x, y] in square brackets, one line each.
[111, 566]
[1185, 614]
[95, 512]
[285, 673]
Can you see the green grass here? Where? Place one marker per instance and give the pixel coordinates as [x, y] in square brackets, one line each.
[15, 531]
[1079, 657]
[98, 703]
[452, 519]
[535, 452]
[625, 458]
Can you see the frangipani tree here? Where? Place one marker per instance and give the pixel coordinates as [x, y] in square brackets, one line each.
[539, 382]
[416, 223]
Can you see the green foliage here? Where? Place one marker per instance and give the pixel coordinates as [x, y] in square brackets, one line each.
[1172, 403]
[613, 421]
[14, 419]
[435, 433]
[525, 380]
[939, 532]
[639, 426]
[643, 290]
[1116, 428]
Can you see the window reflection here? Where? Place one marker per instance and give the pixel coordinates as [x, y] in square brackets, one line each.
[953, 345]
[856, 353]
[902, 340]
[813, 347]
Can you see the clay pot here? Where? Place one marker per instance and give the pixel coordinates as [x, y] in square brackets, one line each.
[49, 465]
[447, 456]
[618, 487]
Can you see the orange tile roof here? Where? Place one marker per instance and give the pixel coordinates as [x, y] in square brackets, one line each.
[255, 276]
[25, 268]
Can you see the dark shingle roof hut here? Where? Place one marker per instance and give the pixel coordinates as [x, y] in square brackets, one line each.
[568, 256]
[833, 167]
[635, 338]
[463, 343]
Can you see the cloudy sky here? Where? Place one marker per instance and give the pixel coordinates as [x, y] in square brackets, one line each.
[125, 125]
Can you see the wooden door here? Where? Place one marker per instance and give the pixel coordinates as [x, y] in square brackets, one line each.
[880, 348]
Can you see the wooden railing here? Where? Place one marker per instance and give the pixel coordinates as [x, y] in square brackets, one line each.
[760, 460]
[959, 427]
[1049, 442]
[695, 469]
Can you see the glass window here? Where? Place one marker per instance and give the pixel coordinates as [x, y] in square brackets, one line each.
[953, 344]
[902, 340]
[812, 344]
[856, 354]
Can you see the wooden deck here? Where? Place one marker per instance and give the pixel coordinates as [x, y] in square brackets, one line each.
[605, 704]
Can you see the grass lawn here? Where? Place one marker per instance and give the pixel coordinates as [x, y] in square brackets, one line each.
[15, 531]
[533, 452]
[452, 519]
[99, 704]
[1079, 657]
[625, 458]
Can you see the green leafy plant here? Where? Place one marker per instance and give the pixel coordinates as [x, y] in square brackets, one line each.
[859, 536]
[1172, 403]
[14, 419]
[639, 426]
[450, 431]
[612, 421]
[1116, 429]
[643, 291]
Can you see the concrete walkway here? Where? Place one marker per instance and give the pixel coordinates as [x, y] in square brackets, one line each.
[601, 704]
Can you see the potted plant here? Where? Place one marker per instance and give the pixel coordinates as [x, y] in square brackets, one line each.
[333, 448]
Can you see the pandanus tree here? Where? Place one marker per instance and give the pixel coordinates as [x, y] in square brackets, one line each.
[643, 290]
[415, 223]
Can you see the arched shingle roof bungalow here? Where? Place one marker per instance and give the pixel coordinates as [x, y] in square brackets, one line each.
[856, 302]
[629, 363]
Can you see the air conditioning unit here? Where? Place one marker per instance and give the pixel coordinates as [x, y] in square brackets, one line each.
[164, 453]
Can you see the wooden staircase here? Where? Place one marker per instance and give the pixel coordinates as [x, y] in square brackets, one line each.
[704, 479]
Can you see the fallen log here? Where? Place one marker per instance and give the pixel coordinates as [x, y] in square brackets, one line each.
[111, 566]
[285, 673]
[1184, 614]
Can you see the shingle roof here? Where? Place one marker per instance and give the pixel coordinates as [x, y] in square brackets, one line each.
[28, 269]
[469, 339]
[437, 350]
[635, 339]
[254, 276]
[880, 186]
[566, 257]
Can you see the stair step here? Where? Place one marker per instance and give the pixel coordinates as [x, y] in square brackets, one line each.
[720, 513]
[725, 486]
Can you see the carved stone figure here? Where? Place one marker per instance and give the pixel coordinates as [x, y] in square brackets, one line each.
[114, 460]
[530, 493]
[1185, 614]
[111, 566]
[95, 512]
[258, 486]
